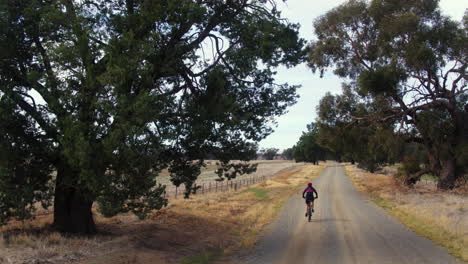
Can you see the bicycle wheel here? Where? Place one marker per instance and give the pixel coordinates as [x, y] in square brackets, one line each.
[309, 212]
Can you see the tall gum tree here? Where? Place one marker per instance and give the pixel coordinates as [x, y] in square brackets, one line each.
[409, 53]
[346, 125]
[97, 97]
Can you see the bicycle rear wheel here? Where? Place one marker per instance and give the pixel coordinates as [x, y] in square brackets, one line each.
[309, 212]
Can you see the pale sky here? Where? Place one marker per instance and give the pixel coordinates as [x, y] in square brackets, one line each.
[304, 12]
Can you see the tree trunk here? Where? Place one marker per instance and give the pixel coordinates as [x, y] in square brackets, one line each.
[433, 160]
[72, 207]
[448, 175]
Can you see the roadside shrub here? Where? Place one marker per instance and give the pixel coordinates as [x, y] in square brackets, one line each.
[410, 165]
[370, 165]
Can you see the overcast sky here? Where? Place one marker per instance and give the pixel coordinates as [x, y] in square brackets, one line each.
[291, 125]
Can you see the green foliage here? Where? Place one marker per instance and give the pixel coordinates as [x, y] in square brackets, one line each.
[409, 165]
[288, 153]
[383, 80]
[408, 63]
[307, 149]
[205, 258]
[269, 153]
[25, 174]
[123, 89]
[357, 140]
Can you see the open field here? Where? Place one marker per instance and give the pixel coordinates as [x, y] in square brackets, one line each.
[439, 216]
[265, 167]
[202, 228]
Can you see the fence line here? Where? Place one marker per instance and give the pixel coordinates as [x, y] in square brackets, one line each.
[217, 186]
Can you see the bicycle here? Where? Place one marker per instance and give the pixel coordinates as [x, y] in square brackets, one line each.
[309, 212]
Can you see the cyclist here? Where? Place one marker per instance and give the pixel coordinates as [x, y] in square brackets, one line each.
[308, 195]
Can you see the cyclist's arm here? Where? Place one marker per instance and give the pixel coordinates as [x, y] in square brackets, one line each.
[303, 193]
[316, 194]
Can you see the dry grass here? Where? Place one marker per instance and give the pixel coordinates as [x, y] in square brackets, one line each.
[265, 167]
[41, 245]
[440, 216]
[201, 228]
[250, 209]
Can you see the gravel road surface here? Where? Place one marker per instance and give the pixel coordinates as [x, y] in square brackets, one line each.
[346, 228]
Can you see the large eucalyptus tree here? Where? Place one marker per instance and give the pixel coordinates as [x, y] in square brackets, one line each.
[408, 54]
[97, 96]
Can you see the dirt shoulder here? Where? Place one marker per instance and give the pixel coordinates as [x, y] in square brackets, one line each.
[440, 216]
[198, 230]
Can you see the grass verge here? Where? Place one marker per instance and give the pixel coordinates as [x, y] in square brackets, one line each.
[205, 258]
[246, 212]
[202, 229]
[411, 210]
[261, 194]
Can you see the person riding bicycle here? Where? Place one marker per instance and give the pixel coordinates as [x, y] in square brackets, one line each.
[308, 195]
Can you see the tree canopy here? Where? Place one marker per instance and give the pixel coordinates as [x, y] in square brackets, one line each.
[288, 153]
[308, 149]
[410, 60]
[269, 153]
[357, 140]
[96, 97]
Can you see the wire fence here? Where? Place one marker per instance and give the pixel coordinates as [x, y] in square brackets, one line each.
[210, 186]
[214, 186]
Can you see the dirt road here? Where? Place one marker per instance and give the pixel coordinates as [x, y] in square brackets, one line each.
[346, 228]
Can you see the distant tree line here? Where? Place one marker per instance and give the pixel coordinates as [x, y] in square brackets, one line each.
[269, 153]
[308, 149]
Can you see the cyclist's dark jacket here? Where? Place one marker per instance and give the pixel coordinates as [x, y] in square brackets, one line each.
[308, 193]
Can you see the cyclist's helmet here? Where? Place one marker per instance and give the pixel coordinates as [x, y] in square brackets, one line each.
[309, 184]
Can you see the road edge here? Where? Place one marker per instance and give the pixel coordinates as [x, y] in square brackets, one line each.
[415, 223]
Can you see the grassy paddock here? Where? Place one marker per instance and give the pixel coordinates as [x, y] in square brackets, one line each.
[264, 167]
[439, 216]
[198, 230]
[247, 211]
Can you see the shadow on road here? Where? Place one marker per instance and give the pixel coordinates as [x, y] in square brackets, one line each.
[328, 220]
